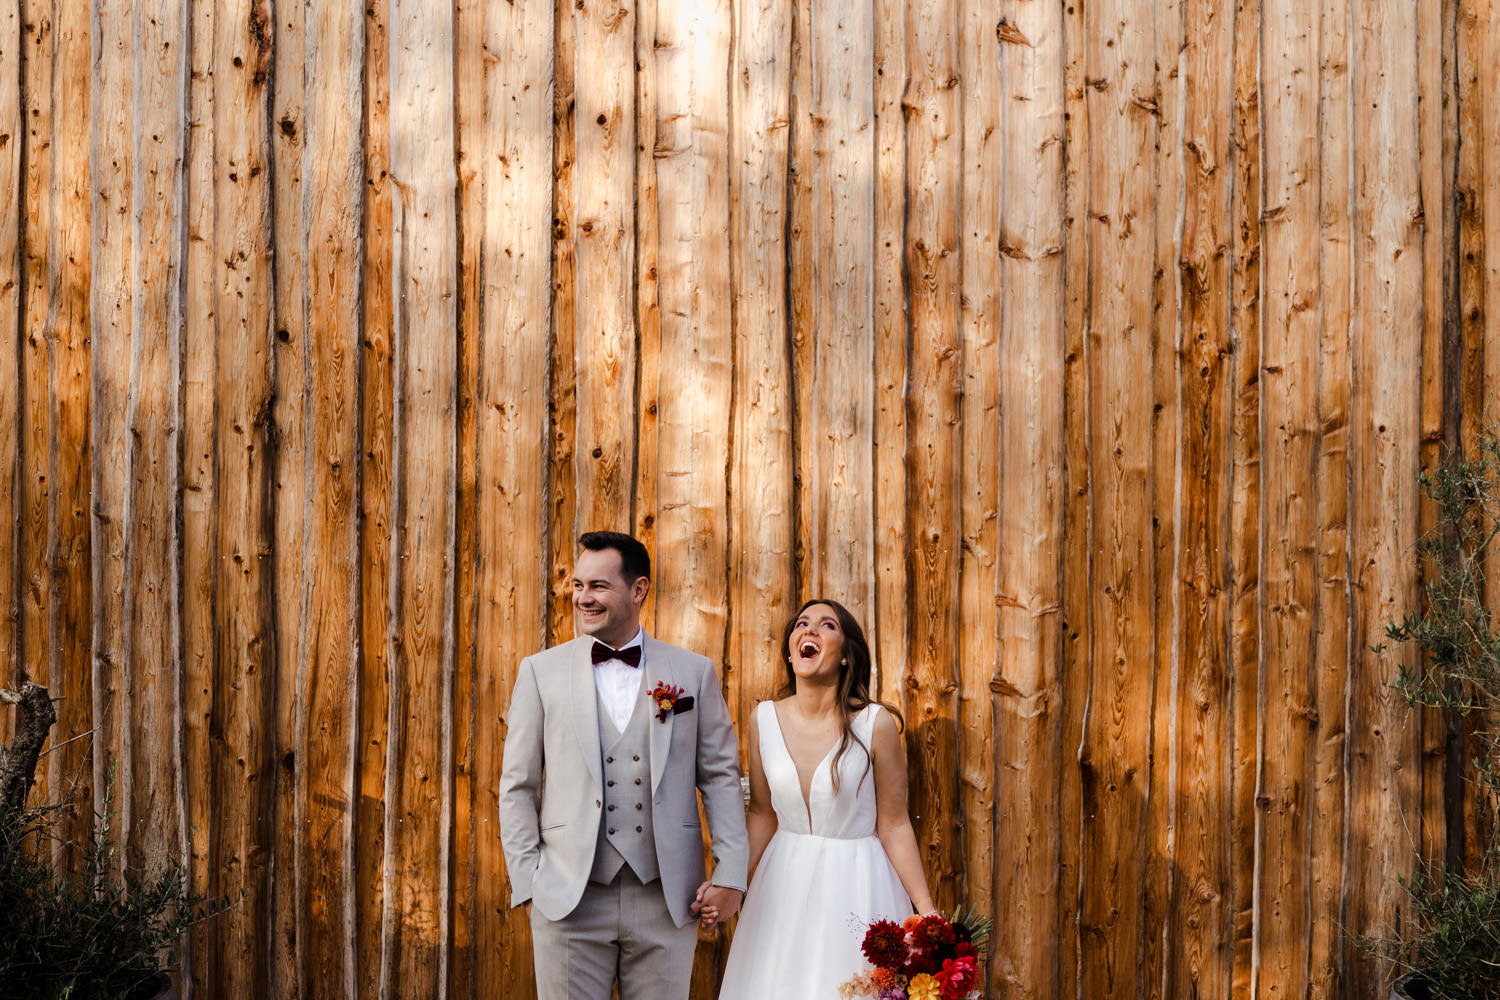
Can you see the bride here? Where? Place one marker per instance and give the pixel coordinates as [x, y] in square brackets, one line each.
[831, 844]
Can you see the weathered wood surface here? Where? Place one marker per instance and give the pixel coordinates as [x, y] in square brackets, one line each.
[1087, 351]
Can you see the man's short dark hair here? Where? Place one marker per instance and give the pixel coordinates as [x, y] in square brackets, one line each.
[634, 560]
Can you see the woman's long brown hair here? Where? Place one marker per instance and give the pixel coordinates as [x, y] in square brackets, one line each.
[854, 678]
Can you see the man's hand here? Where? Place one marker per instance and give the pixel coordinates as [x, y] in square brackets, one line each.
[715, 904]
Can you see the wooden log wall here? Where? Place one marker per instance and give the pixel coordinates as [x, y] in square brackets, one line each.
[1088, 351]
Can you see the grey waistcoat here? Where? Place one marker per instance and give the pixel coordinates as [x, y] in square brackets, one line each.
[625, 833]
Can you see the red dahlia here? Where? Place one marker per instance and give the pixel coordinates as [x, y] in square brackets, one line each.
[885, 945]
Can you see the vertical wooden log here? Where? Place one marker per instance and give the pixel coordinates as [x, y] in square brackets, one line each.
[887, 623]
[1076, 573]
[1290, 722]
[1195, 943]
[34, 421]
[112, 211]
[66, 330]
[328, 639]
[603, 229]
[933, 179]
[1172, 102]
[691, 49]
[292, 490]
[690, 46]
[1477, 198]
[1117, 773]
[424, 281]
[12, 137]
[153, 662]
[377, 391]
[1472, 170]
[1436, 104]
[1384, 443]
[1242, 828]
[835, 384]
[511, 572]
[1031, 503]
[562, 514]
[54, 571]
[193, 595]
[800, 252]
[244, 512]
[645, 502]
[468, 98]
[1332, 643]
[981, 307]
[761, 496]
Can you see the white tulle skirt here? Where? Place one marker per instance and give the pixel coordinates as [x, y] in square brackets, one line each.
[805, 916]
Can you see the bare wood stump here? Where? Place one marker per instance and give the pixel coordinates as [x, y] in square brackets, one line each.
[18, 761]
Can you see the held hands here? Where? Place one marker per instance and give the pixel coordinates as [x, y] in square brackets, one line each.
[715, 904]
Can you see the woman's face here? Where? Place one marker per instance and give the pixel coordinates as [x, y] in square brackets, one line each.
[816, 646]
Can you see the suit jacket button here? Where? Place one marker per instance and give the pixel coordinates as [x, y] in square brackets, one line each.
[596, 803]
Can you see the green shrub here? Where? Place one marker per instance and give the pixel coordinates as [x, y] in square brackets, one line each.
[105, 932]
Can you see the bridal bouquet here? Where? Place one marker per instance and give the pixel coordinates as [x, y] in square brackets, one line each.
[925, 958]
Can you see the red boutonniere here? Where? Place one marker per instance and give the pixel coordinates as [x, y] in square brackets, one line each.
[669, 700]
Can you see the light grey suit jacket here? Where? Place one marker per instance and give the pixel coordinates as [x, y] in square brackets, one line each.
[550, 785]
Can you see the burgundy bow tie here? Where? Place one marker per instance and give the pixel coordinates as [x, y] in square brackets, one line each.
[601, 653]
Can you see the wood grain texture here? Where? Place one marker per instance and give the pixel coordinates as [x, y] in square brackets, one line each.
[981, 251]
[603, 231]
[934, 526]
[1030, 504]
[424, 281]
[243, 680]
[290, 415]
[377, 382]
[66, 331]
[152, 663]
[1333, 641]
[1247, 503]
[761, 516]
[834, 368]
[513, 433]
[468, 114]
[112, 153]
[1195, 941]
[1385, 427]
[888, 622]
[1117, 778]
[329, 647]
[12, 131]
[1288, 392]
[194, 590]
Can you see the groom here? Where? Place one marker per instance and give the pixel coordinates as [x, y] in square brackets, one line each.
[610, 738]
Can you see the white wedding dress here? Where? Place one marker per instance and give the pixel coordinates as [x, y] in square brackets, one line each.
[821, 881]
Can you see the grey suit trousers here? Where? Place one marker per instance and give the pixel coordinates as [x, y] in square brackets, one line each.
[618, 930]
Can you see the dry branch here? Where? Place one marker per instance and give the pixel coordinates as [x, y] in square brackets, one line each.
[18, 761]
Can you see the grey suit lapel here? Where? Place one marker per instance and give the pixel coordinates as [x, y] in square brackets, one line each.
[585, 698]
[657, 671]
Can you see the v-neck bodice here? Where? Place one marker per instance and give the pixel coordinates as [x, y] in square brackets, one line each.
[846, 814]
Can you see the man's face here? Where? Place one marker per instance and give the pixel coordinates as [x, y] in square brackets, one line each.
[604, 605]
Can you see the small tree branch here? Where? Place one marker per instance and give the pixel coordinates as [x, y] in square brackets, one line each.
[18, 761]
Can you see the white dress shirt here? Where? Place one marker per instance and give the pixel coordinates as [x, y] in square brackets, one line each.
[619, 685]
